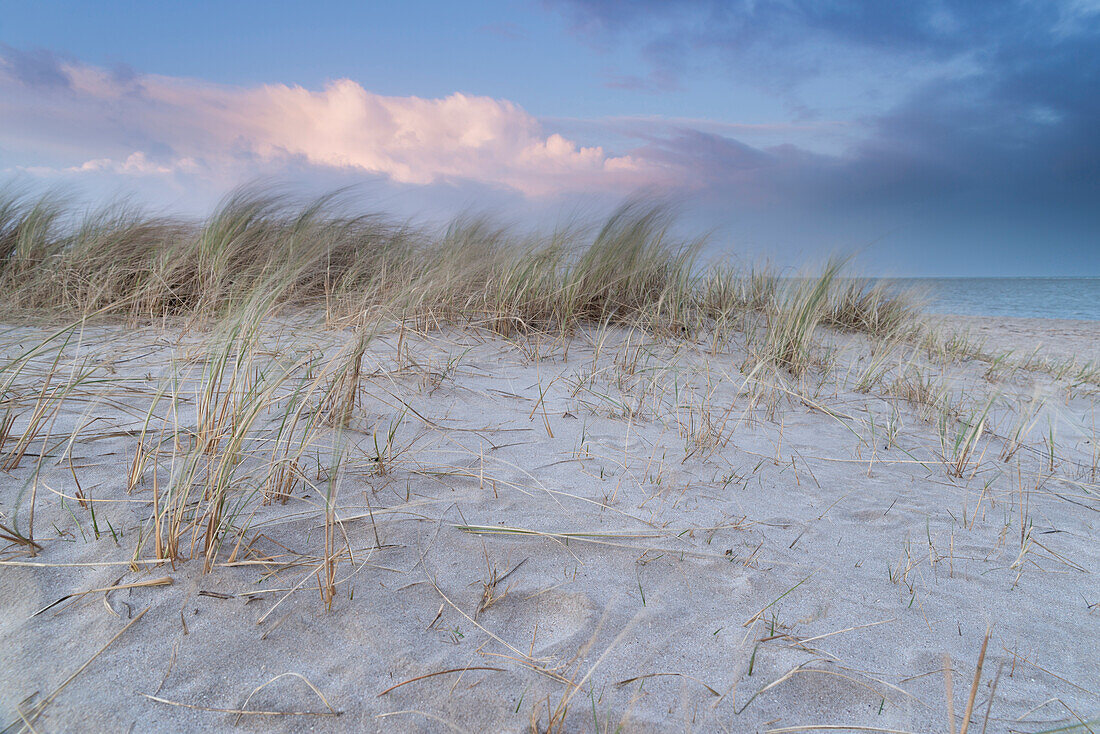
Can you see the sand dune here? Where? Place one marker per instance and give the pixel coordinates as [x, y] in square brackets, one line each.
[612, 532]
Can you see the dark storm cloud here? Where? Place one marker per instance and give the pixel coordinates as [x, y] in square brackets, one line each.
[998, 119]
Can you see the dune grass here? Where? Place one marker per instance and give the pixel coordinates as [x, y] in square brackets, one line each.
[237, 424]
[633, 269]
[251, 413]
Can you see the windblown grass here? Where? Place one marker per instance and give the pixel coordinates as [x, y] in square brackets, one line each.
[240, 424]
[306, 454]
[633, 269]
[237, 424]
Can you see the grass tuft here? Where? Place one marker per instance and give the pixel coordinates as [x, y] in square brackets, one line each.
[263, 246]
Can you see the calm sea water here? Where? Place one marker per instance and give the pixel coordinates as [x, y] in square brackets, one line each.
[1045, 298]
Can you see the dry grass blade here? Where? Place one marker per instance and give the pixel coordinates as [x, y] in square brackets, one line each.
[239, 712]
[14, 536]
[974, 685]
[949, 693]
[439, 672]
[28, 717]
[489, 595]
[992, 695]
[164, 581]
[636, 678]
[772, 603]
[305, 680]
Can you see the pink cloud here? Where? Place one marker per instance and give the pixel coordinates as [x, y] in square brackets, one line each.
[152, 124]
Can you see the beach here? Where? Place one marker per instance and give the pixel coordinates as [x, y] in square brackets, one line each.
[610, 531]
[550, 367]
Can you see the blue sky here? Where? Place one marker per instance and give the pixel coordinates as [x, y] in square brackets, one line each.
[938, 138]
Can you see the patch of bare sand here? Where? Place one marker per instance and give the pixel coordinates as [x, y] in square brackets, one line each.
[1053, 338]
[669, 544]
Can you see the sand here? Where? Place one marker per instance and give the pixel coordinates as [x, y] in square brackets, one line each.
[1052, 338]
[668, 544]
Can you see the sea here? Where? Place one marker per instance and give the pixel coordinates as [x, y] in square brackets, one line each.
[1040, 298]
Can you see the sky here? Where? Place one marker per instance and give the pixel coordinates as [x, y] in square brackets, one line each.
[941, 138]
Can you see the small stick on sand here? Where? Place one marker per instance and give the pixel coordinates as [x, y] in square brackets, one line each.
[163, 581]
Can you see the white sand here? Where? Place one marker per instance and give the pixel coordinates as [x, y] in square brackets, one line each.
[1053, 338]
[838, 569]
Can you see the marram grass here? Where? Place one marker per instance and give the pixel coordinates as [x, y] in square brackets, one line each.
[247, 412]
[262, 250]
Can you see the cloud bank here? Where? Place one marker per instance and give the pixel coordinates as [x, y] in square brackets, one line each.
[92, 119]
[976, 123]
